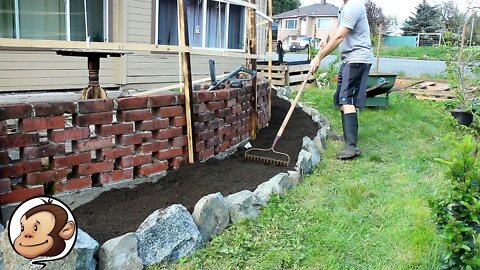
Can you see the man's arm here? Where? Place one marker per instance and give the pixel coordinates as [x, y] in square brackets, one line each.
[329, 47]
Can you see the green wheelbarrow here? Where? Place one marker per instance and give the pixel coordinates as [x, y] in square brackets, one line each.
[379, 86]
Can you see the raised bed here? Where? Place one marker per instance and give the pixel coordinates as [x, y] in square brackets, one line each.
[119, 211]
[286, 74]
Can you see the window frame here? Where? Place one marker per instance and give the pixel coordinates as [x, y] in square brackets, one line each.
[296, 24]
[204, 26]
[106, 20]
[324, 19]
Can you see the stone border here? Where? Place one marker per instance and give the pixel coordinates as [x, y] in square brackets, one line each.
[171, 233]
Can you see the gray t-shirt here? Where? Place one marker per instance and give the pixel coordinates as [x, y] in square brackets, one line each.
[357, 46]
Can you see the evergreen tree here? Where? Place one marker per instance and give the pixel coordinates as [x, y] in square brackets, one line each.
[426, 19]
[280, 6]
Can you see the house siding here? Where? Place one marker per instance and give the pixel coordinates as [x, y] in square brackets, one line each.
[22, 70]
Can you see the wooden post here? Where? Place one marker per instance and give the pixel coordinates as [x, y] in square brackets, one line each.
[462, 45]
[270, 66]
[379, 46]
[187, 77]
[252, 64]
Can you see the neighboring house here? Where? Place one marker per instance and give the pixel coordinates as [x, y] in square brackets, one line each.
[318, 20]
[217, 29]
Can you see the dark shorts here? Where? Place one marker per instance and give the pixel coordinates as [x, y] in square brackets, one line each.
[352, 85]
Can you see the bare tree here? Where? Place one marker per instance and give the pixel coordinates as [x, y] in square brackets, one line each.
[376, 17]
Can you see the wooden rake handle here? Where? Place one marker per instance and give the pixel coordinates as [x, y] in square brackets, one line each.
[292, 108]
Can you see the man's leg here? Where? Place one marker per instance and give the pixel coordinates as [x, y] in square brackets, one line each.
[350, 132]
[350, 96]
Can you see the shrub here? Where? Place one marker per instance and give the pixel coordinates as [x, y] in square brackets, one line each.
[457, 207]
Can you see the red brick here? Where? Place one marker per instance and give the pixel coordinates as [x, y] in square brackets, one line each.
[115, 176]
[199, 146]
[204, 117]
[166, 112]
[54, 108]
[151, 125]
[178, 121]
[199, 108]
[213, 142]
[4, 158]
[33, 124]
[221, 94]
[47, 150]
[85, 120]
[164, 100]
[199, 127]
[207, 153]
[91, 168]
[19, 168]
[179, 141]
[115, 129]
[3, 128]
[235, 141]
[231, 102]
[224, 130]
[113, 153]
[133, 139]
[153, 147]
[215, 124]
[21, 194]
[230, 119]
[222, 147]
[46, 177]
[168, 133]
[94, 106]
[130, 103]
[15, 111]
[243, 91]
[203, 136]
[215, 105]
[153, 168]
[237, 109]
[73, 184]
[176, 162]
[127, 162]
[68, 134]
[92, 144]
[4, 185]
[71, 160]
[136, 115]
[169, 154]
[233, 93]
[202, 96]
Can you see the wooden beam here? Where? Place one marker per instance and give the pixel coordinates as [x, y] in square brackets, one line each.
[270, 64]
[252, 64]
[175, 86]
[49, 45]
[187, 77]
[263, 15]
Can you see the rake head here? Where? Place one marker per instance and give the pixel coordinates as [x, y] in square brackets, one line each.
[268, 156]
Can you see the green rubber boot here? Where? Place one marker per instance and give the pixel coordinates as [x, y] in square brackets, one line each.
[350, 135]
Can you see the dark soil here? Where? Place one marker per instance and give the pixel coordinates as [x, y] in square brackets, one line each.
[119, 211]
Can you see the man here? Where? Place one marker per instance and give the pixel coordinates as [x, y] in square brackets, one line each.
[353, 40]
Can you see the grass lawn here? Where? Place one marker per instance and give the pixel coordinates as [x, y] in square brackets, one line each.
[369, 213]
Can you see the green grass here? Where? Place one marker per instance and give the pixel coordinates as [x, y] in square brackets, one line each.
[369, 213]
[422, 53]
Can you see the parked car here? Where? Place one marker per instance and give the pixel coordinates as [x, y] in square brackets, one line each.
[300, 44]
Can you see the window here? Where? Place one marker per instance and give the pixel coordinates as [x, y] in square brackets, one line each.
[54, 19]
[211, 24]
[291, 24]
[324, 23]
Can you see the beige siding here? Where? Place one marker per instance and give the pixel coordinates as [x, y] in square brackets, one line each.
[26, 71]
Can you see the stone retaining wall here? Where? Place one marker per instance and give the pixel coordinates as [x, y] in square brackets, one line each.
[47, 148]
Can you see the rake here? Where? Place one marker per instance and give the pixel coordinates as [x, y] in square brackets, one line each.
[271, 156]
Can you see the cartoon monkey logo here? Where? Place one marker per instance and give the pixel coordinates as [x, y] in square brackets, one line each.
[43, 228]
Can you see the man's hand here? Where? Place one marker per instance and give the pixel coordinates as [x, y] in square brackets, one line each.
[315, 63]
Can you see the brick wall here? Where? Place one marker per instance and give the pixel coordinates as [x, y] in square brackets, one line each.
[47, 148]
